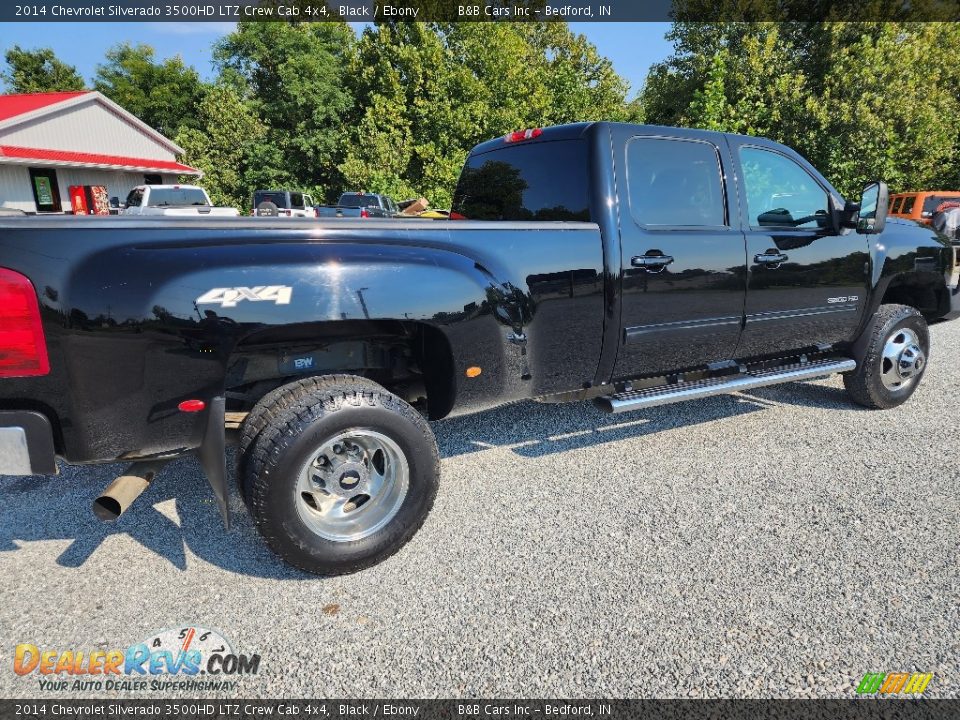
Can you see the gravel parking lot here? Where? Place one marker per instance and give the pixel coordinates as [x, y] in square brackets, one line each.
[780, 542]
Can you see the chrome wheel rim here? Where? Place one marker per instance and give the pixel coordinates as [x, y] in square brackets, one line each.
[903, 359]
[353, 485]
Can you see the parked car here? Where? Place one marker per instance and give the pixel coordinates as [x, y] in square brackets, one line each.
[173, 201]
[360, 205]
[630, 265]
[920, 206]
[282, 203]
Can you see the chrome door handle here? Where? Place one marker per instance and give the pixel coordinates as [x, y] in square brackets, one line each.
[652, 263]
[770, 258]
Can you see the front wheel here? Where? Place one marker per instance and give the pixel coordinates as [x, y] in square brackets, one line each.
[343, 479]
[892, 360]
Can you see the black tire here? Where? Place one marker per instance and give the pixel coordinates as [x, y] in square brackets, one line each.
[277, 401]
[865, 384]
[286, 445]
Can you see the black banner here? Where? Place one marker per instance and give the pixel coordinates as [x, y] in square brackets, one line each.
[454, 709]
[477, 10]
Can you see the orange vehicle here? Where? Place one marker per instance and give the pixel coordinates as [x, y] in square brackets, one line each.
[920, 206]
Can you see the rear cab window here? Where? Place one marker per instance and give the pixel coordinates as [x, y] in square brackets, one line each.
[177, 197]
[537, 181]
[358, 200]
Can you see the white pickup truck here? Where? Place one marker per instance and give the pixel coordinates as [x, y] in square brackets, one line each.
[173, 200]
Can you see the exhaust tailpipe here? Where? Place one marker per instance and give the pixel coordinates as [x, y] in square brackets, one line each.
[120, 494]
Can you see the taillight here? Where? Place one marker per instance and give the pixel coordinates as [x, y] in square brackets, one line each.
[23, 350]
[521, 135]
[364, 213]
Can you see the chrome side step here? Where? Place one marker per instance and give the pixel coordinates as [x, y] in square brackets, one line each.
[679, 392]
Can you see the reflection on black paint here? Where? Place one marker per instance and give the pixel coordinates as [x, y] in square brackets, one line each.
[526, 182]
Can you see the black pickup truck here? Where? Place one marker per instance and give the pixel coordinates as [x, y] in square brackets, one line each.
[630, 265]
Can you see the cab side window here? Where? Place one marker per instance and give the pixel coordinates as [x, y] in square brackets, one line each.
[135, 198]
[779, 192]
[675, 183]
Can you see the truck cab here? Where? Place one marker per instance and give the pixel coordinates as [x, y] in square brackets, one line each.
[718, 247]
[173, 201]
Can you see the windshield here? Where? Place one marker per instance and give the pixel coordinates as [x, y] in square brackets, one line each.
[358, 200]
[166, 197]
[541, 181]
[931, 202]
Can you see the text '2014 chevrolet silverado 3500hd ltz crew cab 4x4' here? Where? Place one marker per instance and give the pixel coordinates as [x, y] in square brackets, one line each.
[631, 265]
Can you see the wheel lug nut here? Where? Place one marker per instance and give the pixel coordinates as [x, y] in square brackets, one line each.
[338, 449]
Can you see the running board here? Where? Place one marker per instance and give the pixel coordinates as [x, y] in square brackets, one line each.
[679, 392]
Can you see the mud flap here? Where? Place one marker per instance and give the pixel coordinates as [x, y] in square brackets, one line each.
[213, 456]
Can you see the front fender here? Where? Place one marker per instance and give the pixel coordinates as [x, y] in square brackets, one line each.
[913, 259]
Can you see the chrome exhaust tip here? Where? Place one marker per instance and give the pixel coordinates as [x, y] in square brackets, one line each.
[122, 492]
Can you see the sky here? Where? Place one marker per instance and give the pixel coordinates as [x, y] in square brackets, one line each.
[632, 47]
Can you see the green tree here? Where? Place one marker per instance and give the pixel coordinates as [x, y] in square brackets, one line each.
[224, 146]
[294, 76]
[31, 71]
[427, 93]
[165, 95]
[418, 111]
[859, 100]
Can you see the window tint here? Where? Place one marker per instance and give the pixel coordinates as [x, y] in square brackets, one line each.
[908, 202]
[931, 202]
[358, 200]
[296, 200]
[895, 204]
[134, 198]
[277, 197]
[674, 182]
[535, 181]
[780, 192]
[177, 196]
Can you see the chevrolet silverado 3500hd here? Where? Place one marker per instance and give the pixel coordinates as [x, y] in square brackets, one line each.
[630, 265]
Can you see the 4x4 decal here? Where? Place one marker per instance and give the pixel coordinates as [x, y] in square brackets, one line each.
[229, 297]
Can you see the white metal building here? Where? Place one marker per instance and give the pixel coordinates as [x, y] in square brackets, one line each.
[50, 142]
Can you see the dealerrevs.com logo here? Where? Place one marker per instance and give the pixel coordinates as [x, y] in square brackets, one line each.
[198, 658]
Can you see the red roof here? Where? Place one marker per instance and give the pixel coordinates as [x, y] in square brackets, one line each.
[80, 159]
[13, 105]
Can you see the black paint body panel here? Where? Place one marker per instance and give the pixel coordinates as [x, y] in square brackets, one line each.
[127, 340]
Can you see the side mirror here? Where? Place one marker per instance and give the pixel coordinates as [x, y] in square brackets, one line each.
[849, 215]
[114, 202]
[873, 208]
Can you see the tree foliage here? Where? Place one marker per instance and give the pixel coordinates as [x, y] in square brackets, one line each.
[165, 95]
[294, 77]
[427, 93]
[32, 71]
[860, 100]
[226, 163]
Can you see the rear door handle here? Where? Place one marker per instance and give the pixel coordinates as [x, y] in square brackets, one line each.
[652, 263]
[770, 258]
